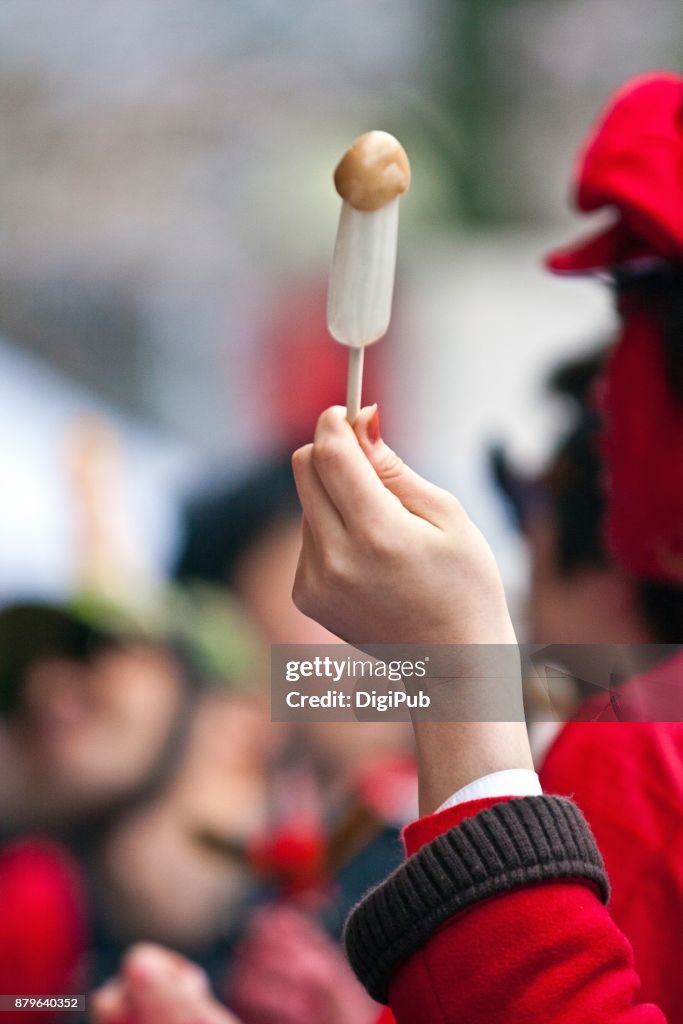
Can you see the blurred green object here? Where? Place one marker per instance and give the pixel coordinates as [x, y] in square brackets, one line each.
[199, 624]
[199, 618]
[469, 90]
[213, 628]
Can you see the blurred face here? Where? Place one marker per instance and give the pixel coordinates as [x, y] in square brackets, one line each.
[93, 732]
[264, 582]
[591, 605]
[219, 790]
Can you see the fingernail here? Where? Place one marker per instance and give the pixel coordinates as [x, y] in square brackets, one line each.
[374, 430]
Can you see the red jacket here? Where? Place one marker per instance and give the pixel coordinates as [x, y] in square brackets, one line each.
[627, 778]
[545, 953]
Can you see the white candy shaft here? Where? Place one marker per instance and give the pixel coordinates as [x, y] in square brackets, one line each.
[362, 275]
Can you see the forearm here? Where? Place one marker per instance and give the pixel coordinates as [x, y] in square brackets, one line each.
[466, 745]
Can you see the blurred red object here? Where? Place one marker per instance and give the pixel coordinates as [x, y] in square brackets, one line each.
[294, 857]
[632, 162]
[305, 369]
[42, 926]
[387, 786]
[309, 980]
[643, 449]
[293, 854]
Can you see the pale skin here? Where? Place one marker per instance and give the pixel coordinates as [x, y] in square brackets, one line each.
[156, 985]
[388, 557]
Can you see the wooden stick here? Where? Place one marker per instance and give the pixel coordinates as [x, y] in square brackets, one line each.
[354, 384]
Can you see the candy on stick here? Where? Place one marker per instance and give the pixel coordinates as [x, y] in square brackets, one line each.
[371, 176]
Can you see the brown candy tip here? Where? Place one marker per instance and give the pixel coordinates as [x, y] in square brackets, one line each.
[373, 171]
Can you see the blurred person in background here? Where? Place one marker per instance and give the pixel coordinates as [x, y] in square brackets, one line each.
[309, 984]
[116, 740]
[353, 781]
[560, 514]
[136, 730]
[121, 750]
[92, 721]
[87, 721]
[604, 527]
[245, 537]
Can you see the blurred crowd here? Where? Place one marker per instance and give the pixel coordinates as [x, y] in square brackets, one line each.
[145, 795]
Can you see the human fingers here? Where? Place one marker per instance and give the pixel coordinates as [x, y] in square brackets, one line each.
[319, 510]
[345, 473]
[419, 496]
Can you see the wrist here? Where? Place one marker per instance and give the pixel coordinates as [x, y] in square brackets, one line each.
[451, 755]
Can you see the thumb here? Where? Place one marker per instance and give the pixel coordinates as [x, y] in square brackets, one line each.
[416, 494]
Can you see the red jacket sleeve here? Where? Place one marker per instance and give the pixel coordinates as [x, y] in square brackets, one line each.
[530, 940]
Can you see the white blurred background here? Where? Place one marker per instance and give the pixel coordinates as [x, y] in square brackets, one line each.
[167, 218]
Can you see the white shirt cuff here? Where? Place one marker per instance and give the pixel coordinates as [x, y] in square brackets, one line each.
[510, 782]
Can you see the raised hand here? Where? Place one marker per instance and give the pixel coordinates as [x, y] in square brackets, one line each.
[388, 557]
[157, 986]
[288, 971]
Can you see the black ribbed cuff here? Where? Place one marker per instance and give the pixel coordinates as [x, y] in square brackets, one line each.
[512, 844]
